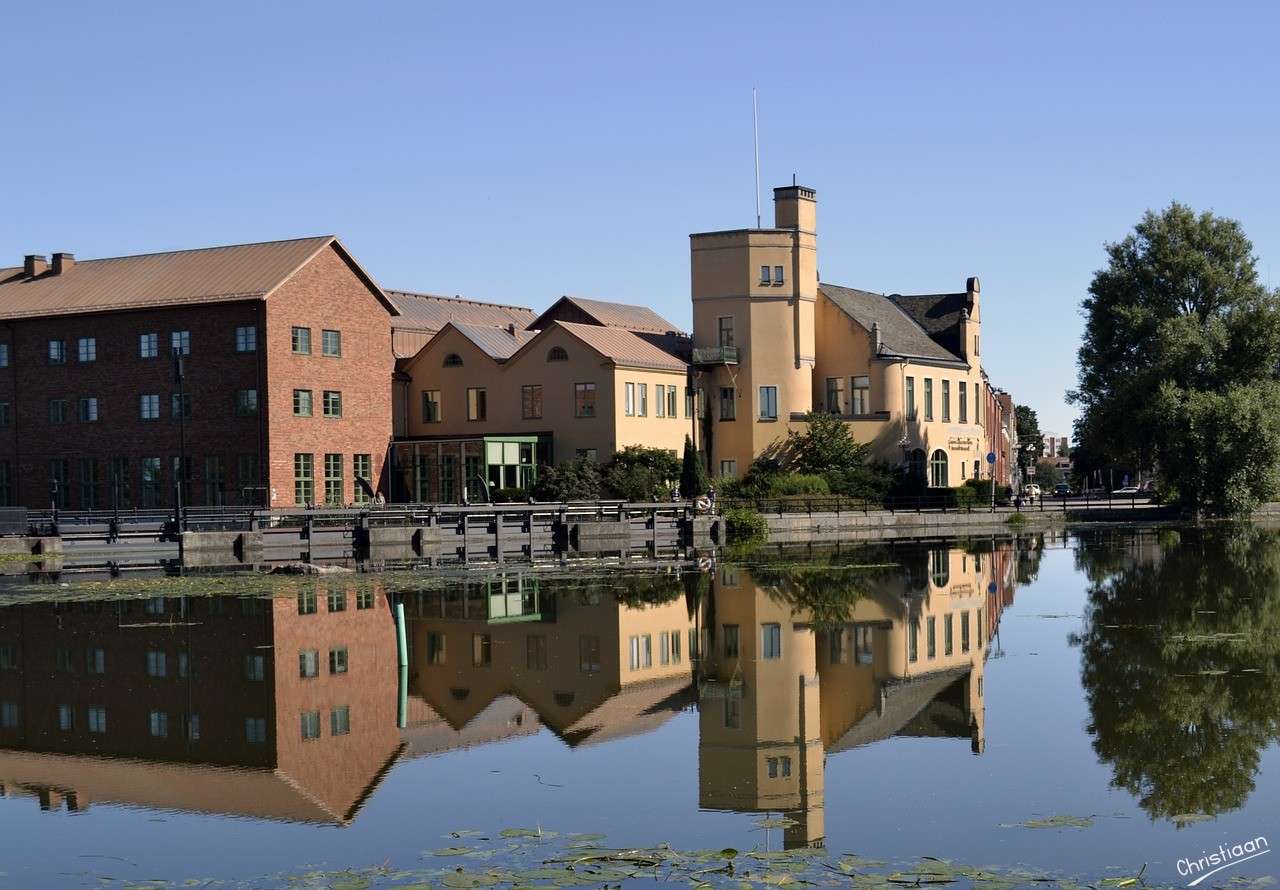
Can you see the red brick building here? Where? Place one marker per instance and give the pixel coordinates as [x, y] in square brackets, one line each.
[285, 397]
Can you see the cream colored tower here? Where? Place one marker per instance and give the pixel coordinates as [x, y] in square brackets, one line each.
[754, 292]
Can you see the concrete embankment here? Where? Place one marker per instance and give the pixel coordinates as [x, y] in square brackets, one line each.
[806, 527]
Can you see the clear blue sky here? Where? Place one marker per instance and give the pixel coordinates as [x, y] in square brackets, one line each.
[518, 152]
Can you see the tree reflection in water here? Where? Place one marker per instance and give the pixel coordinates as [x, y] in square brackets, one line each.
[1181, 646]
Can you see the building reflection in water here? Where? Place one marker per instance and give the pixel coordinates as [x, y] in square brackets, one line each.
[278, 708]
[287, 708]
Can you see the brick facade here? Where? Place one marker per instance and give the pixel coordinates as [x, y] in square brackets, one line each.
[234, 456]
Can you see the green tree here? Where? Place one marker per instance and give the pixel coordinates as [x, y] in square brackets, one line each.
[1181, 663]
[1178, 362]
[693, 474]
[1047, 474]
[827, 449]
[573, 480]
[638, 473]
[1028, 434]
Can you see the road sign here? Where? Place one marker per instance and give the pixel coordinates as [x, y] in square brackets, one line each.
[991, 457]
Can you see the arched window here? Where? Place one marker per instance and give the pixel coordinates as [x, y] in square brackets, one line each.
[939, 568]
[453, 360]
[557, 354]
[915, 464]
[938, 469]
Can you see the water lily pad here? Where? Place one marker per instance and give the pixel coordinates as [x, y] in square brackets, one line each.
[1052, 822]
[452, 851]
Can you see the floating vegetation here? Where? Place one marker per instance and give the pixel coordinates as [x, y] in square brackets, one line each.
[1190, 818]
[1052, 822]
[536, 858]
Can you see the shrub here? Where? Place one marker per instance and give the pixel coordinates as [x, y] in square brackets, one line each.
[573, 480]
[785, 484]
[638, 473]
[1017, 519]
[744, 524]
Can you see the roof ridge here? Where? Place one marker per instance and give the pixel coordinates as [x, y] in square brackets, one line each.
[136, 256]
[456, 298]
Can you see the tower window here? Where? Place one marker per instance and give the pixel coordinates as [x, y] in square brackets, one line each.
[764, 274]
[777, 275]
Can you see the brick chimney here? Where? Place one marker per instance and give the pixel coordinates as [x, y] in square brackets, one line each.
[62, 262]
[34, 264]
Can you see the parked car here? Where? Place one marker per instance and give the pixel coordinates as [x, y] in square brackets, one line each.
[1127, 490]
[1031, 490]
[1061, 490]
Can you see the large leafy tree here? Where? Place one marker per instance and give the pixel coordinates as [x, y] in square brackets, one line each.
[1177, 369]
[1028, 434]
[1181, 664]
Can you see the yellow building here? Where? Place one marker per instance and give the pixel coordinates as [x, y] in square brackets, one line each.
[781, 693]
[772, 343]
[590, 666]
[585, 379]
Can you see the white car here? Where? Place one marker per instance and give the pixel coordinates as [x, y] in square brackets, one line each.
[1031, 490]
[1127, 490]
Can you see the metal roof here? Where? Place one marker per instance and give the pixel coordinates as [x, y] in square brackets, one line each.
[497, 343]
[900, 333]
[623, 347]
[614, 315]
[177, 278]
[431, 312]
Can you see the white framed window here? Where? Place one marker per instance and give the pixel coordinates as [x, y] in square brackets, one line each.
[57, 352]
[255, 667]
[310, 721]
[255, 730]
[180, 342]
[88, 409]
[771, 641]
[729, 469]
[861, 403]
[642, 405]
[149, 406]
[97, 720]
[148, 345]
[159, 724]
[157, 664]
[340, 720]
[777, 275]
[768, 403]
[87, 350]
[629, 399]
[764, 275]
[246, 338]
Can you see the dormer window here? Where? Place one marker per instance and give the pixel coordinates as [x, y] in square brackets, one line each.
[453, 360]
[557, 354]
[764, 274]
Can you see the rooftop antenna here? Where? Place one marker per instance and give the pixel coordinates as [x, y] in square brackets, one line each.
[755, 128]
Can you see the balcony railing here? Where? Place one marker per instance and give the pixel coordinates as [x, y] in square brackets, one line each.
[715, 355]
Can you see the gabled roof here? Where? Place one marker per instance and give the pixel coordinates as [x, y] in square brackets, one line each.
[900, 333]
[600, 312]
[497, 343]
[622, 347]
[901, 702]
[937, 314]
[429, 312]
[177, 278]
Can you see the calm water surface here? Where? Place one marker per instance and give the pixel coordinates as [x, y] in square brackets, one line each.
[904, 701]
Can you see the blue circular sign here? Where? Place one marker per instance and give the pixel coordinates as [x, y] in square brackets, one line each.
[991, 457]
